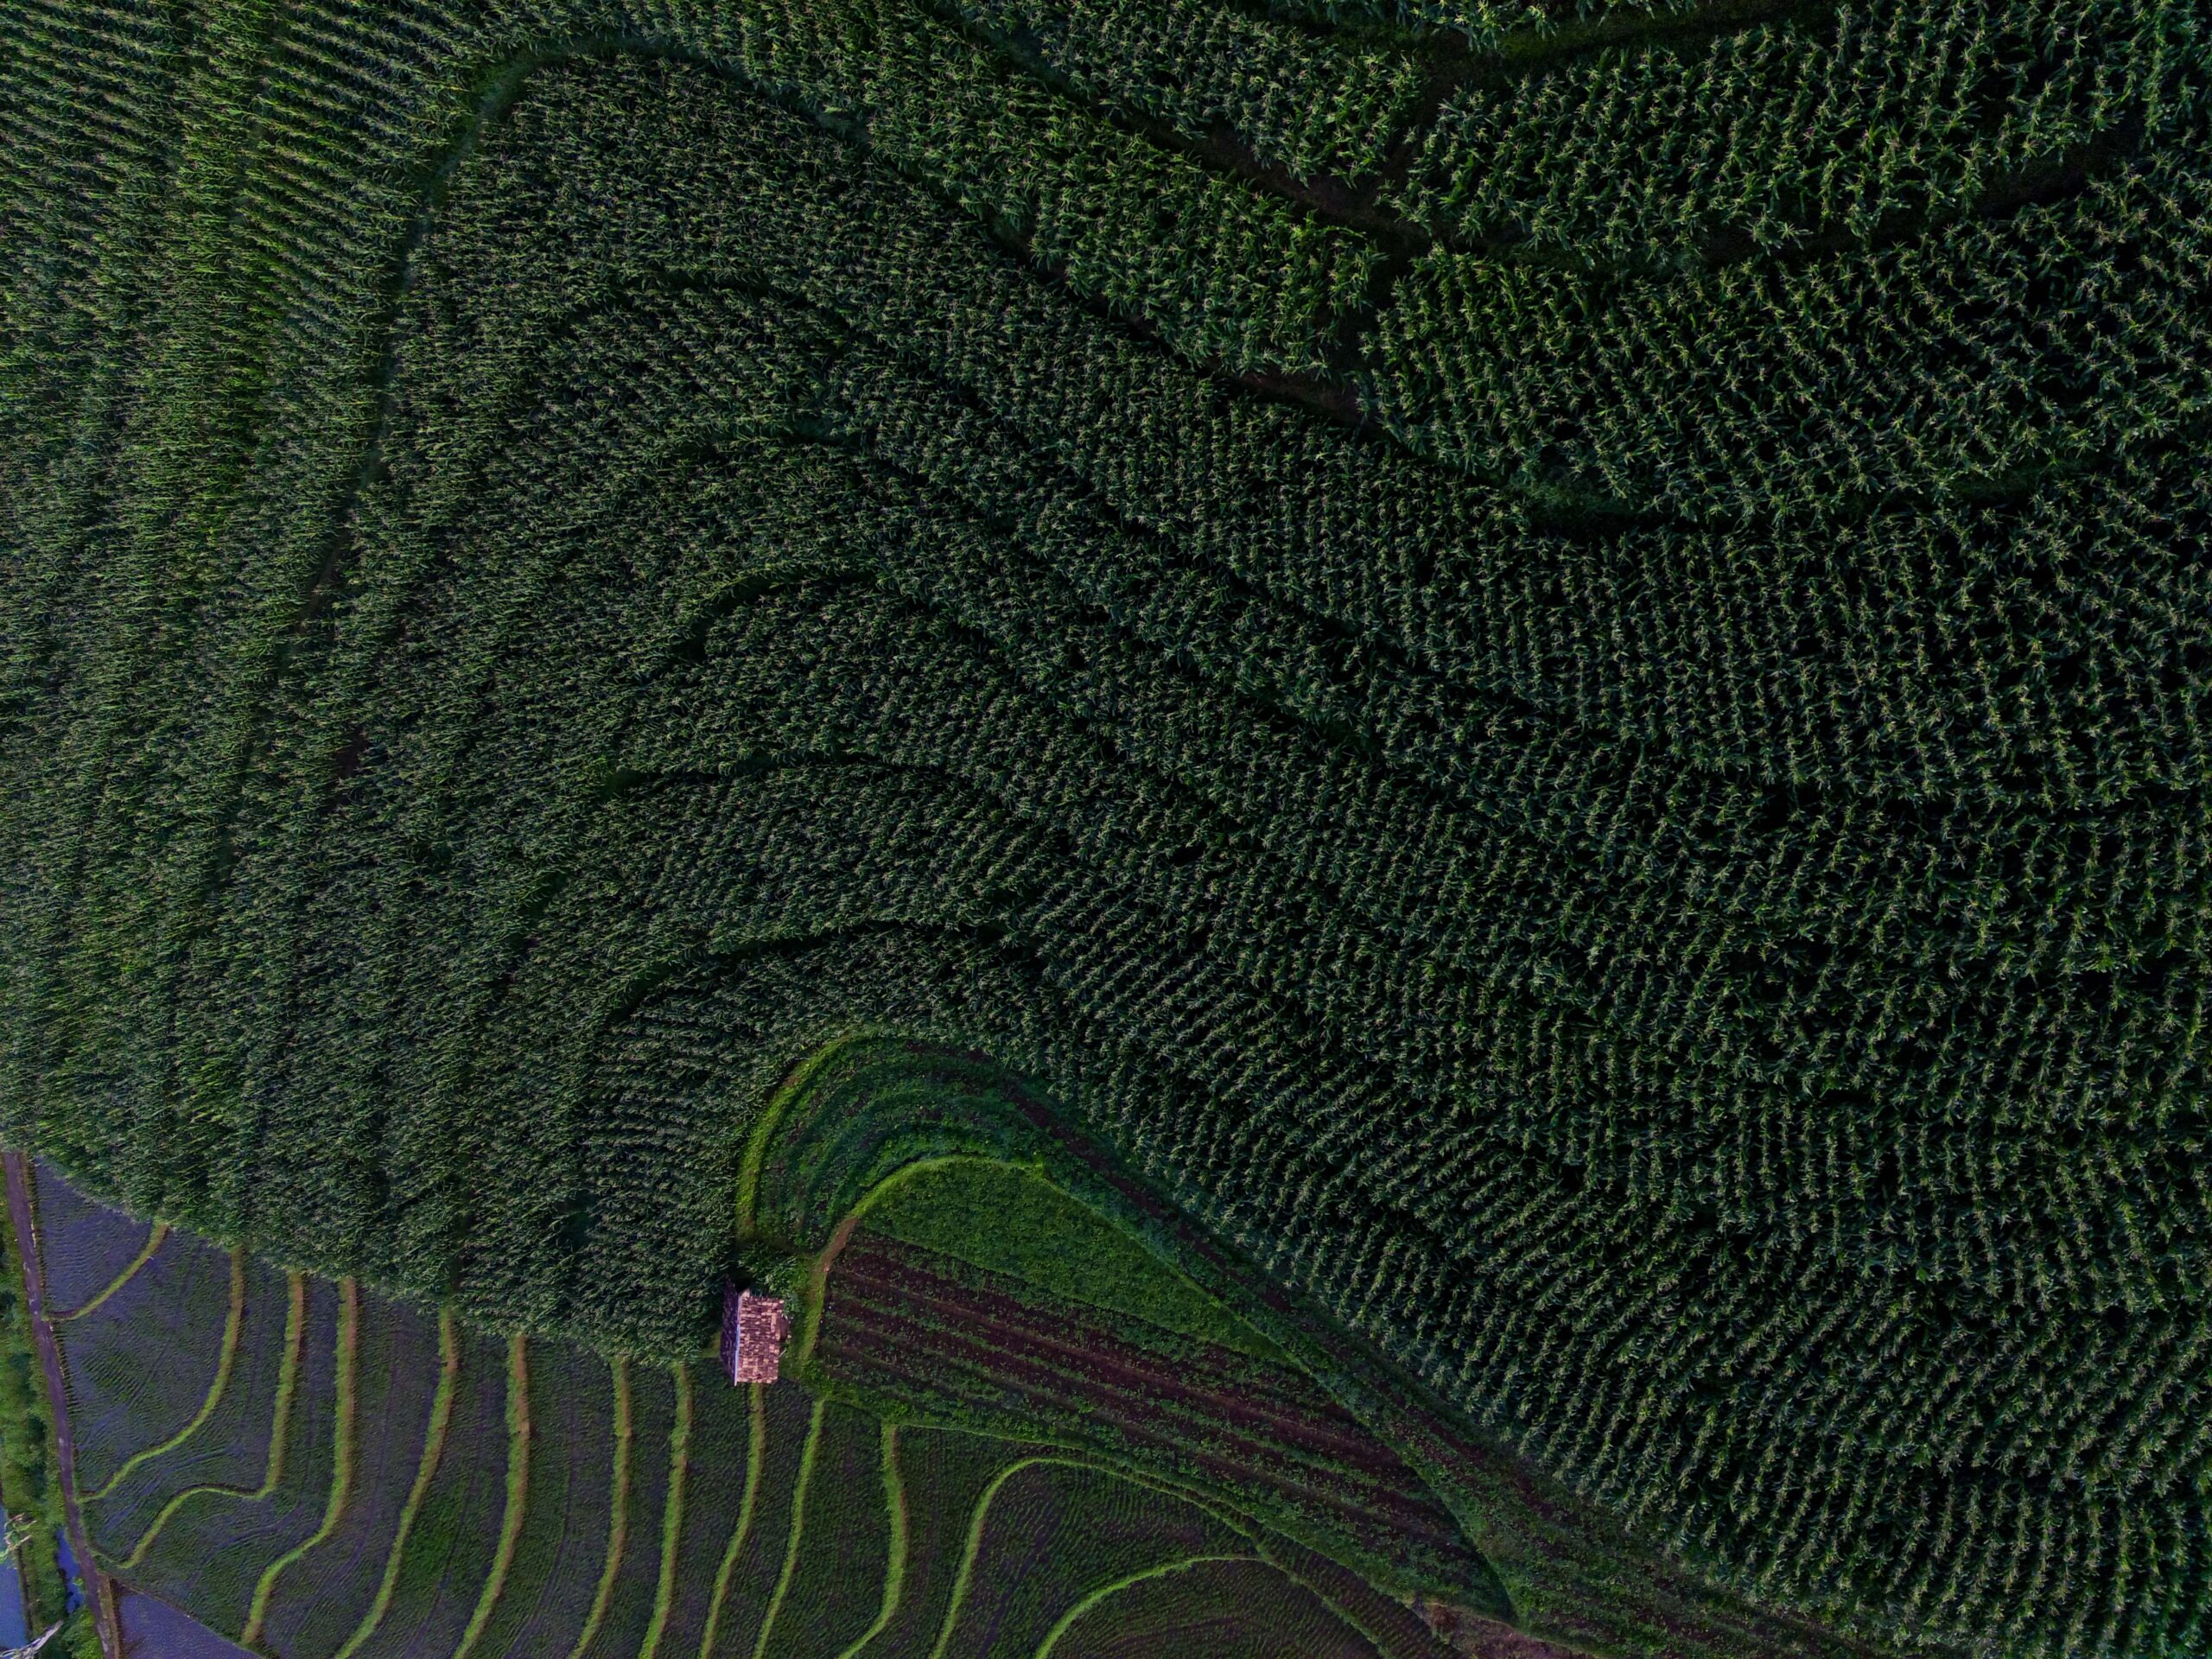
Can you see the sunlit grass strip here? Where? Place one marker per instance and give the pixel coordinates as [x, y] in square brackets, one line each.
[232, 1323]
[280, 1426]
[155, 1235]
[756, 1449]
[341, 1460]
[518, 1491]
[894, 1564]
[1060, 1628]
[618, 1523]
[799, 1526]
[977, 1518]
[433, 1444]
[671, 1519]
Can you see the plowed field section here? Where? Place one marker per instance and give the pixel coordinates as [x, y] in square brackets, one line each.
[903, 1321]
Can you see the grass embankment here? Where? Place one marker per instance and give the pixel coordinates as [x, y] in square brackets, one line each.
[1011, 1220]
[341, 1462]
[157, 1234]
[30, 1481]
[517, 1493]
[755, 1452]
[288, 1380]
[671, 1520]
[433, 1444]
[618, 1526]
[894, 1569]
[797, 1534]
[226, 1359]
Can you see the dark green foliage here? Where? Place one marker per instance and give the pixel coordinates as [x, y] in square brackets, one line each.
[802, 1524]
[30, 1485]
[1047, 1533]
[1550, 661]
[324, 1597]
[1213, 1610]
[1013, 1221]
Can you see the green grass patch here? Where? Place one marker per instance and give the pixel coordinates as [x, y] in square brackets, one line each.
[30, 1484]
[1013, 1221]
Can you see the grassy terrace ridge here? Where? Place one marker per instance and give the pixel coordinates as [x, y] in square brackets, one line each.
[870, 1112]
[1523, 682]
[852, 1570]
[1015, 1222]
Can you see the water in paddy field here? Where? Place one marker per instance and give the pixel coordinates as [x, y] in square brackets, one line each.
[15, 1630]
[14, 1633]
[73, 1590]
[153, 1630]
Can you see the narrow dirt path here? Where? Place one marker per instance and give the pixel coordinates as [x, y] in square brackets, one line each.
[98, 1585]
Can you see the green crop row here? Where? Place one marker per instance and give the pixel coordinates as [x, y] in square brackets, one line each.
[1845, 124]
[481, 1498]
[561, 559]
[30, 1484]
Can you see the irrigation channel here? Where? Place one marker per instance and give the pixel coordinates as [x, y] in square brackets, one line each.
[132, 1625]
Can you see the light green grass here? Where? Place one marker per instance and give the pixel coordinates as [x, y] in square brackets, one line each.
[517, 1496]
[433, 1444]
[1011, 1220]
[287, 1381]
[226, 1358]
[341, 1461]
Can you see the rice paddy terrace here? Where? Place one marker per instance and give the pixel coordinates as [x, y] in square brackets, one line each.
[1545, 666]
[1029, 1435]
[337, 1473]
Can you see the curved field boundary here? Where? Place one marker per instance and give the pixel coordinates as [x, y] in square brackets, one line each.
[776, 1202]
[434, 1442]
[226, 1358]
[287, 1379]
[1105, 1591]
[23, 1218]
[518, 1492]
[155, 1233]
[1566, 1571]
[797, 1532]
[978, 1518]
[894, 1568]
[618, 1521]
[815, 1301]
[341, 1460]
[671, 1520]
[756, 1449]
[1535, 1503]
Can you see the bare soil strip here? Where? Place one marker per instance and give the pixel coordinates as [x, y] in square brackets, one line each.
[98, 1588]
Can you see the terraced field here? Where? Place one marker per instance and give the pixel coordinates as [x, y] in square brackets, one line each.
[1525, 682]
[427, 1490]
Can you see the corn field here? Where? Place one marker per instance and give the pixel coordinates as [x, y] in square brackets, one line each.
[1553, 662]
